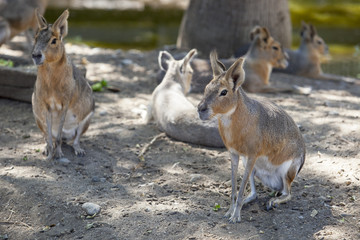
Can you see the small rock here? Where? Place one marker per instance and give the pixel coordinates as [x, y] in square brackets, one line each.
[127, 61]
[103, 113]
[195, 177]
[91, 208]
[95, 179]
[314, 213]
[334, 113]
[64, 161]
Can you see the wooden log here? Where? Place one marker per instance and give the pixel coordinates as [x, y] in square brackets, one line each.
[17, 77]
[16, 83]
[16, 93]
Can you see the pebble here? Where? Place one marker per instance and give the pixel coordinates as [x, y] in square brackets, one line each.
[334, 113]
[127, 61]
[98, 179]
[103, 113]
[314, 213]
[91, 208]
[64, 161]
[195, 177]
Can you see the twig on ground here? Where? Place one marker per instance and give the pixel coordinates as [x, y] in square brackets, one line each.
[147, 146]
[16, 223]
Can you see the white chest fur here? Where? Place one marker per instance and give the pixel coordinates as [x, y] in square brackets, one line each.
[55, 106]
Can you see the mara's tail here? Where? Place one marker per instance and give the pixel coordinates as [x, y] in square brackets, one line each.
[190, 128]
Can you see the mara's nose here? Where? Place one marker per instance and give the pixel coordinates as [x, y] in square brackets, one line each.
[36, 55]
[202, 107]
[37, 58]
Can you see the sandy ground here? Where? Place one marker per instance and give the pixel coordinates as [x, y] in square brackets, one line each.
[172, 193]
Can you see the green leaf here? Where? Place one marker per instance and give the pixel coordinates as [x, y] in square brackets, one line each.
[104, 83]
[97, 87]
[216, 207]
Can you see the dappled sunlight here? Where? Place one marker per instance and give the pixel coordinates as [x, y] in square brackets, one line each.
[172, 190]
[26, 172]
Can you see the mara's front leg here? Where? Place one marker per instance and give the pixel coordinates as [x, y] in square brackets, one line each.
[59, 153]
[49, 151]
[83, 126]
[234, 170]
[236, 215]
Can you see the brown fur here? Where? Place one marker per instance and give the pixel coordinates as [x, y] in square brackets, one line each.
[258, 130]
[264, 54]
[62, 99]
[306, 60]
[17, 16]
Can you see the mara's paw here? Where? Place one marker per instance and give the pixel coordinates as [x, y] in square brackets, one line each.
[272, 203]
[275, 202]
[79, 151]
[49, 152]
[229, 212]
[235, 217]
[59, 154]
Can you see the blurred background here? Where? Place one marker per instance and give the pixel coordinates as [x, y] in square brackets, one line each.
[150, 24]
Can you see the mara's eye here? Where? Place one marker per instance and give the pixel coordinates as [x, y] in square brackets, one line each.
[275, 48]
[223, 92]
[319, 42]
[53, 41]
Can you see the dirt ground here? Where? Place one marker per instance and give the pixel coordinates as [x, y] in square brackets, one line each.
[172, 193]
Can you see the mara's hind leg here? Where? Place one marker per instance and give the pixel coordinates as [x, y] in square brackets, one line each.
[83, 126]
[285, 192]
[252, 195]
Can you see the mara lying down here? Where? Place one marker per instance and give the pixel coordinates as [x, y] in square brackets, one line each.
[173, 112]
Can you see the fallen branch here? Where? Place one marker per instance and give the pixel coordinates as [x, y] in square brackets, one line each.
[16, 223]
[147, 146]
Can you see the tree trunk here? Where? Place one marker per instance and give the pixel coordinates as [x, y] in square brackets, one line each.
[225, 24]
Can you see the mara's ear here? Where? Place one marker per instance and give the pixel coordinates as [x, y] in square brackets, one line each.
[265, 33]
[187, 59]
[305, 31]
[40, 19]
[164, 60]
[254, 32]
[236, 74]
[313, 31]
[261, 35]
[60, 26]
[217, 66]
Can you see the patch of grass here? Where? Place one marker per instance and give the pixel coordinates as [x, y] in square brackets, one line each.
[6, 63]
